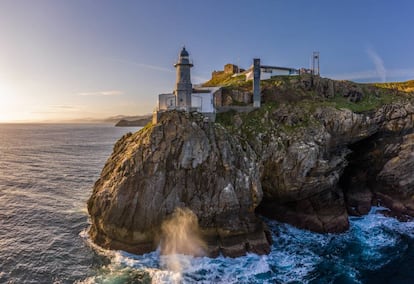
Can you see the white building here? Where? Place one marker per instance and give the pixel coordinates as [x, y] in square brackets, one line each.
[204, 99]
[166, 102]
[267, 72]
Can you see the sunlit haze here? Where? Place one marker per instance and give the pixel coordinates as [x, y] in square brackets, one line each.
[66, 60]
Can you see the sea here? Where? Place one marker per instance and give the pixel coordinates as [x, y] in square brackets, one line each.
[47, 172]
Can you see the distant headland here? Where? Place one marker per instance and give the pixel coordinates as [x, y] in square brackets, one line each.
[129, 121]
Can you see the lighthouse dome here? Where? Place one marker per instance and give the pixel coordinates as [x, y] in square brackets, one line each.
[184, 53]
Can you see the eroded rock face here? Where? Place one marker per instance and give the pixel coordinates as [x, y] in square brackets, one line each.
[182, 162]
[234, 96]
[314, 176]
[300, 178]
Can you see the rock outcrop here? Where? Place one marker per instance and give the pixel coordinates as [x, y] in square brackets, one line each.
[182, 162]
[383, 164]
[321, 164]
[301, 158]
[394, 187]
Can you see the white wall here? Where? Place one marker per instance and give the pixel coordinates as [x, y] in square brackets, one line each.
[166, 101]
[203, 102]
[267, 73]
[277, 72]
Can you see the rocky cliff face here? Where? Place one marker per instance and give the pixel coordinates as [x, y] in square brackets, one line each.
[382, 166]
[322, 163]
[301, 158]
[182, 162]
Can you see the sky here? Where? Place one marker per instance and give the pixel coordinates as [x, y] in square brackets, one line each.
[71, 59]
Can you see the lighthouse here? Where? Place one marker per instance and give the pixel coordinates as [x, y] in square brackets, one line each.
[183, 86]
[186, 98]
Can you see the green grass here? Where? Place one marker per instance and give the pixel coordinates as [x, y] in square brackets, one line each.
[148, 126]
[226, 118]
[302, 103]
[369, 102]
[290, 106]
[227, 80]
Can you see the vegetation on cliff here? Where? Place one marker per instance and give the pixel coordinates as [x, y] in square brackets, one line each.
[226, 79]
[407, 86]
[292, 102]
[311, 91]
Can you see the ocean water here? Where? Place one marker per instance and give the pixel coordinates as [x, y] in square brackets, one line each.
[47, 174]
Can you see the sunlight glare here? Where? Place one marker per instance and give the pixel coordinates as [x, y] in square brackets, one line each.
[7, 102]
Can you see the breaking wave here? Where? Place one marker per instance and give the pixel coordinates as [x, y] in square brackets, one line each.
[297, 256]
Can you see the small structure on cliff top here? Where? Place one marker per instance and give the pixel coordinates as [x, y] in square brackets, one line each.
[267, 72]
[184, 96]
[258, 72]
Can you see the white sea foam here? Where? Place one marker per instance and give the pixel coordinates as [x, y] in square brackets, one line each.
[297, 255]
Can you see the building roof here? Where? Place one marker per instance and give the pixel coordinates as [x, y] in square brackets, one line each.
[198, 89]
[277, 68]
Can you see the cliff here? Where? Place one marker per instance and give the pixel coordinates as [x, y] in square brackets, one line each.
[182, 162]
[330, 149]
[316, 152]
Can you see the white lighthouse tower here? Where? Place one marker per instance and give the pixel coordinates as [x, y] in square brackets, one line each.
[184, 97]
[183, 86]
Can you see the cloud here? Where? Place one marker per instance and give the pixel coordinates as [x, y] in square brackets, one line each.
[57, 109]
[102, 93]
[64, 107]
[147, 66]
[379, 64]
[154, 67]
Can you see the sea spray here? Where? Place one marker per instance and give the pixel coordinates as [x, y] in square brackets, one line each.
[373, 243]
[180, 240]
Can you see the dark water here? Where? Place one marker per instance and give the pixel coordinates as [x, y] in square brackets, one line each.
[47, 173]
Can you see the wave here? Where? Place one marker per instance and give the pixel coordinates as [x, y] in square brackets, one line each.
[297, 255]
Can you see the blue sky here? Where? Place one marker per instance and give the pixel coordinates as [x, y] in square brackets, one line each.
[67, 59]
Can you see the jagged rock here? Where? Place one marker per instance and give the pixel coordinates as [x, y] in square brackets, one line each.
[306, 82]
[309, 178]
[322, 212]
[300, 180]
[324, 87]
[180, 162]
[395, 188]
[354, 96]
[236, 96]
